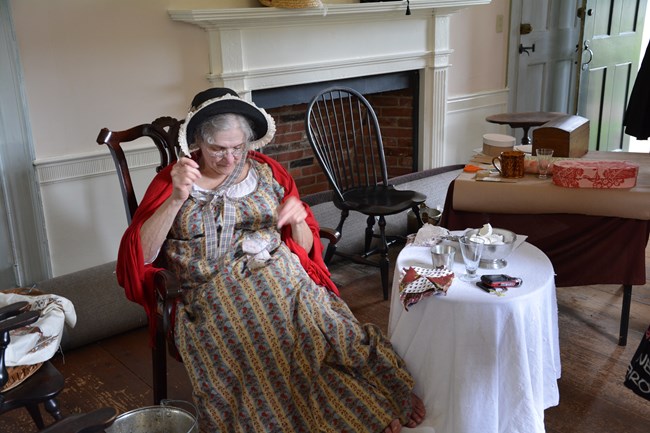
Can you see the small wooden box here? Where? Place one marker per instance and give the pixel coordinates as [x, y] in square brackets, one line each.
[568, 136]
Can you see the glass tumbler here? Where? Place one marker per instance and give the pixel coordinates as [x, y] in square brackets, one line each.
[471, 248]
[543, 161]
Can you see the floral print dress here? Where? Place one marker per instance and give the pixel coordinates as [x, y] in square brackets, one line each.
[267, 349]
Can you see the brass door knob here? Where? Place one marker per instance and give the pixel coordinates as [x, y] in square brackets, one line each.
[525, 28]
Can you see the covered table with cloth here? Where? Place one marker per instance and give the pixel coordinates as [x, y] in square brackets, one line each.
[592, 236]
[481, 362]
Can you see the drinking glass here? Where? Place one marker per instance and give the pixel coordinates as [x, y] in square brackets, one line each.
[471, 249]
[543, 161]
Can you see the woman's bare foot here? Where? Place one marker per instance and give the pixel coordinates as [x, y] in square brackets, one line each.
[419, 412]
[415, 417]
[394, 427]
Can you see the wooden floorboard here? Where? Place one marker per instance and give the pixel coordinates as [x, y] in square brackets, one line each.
[117, 372]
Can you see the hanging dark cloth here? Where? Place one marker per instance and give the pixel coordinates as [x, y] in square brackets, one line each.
[637, 115]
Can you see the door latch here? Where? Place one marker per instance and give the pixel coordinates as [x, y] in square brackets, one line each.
[585, 65]
[523, 49]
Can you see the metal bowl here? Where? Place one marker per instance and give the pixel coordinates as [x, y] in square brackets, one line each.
[155, 419]
[494, 256]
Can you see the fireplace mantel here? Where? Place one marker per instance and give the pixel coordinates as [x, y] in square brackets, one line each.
[214, 18]
[264, 48]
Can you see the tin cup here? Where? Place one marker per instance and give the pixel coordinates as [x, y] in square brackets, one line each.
[443, 256]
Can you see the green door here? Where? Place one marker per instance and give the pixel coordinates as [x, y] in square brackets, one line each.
[610, 61]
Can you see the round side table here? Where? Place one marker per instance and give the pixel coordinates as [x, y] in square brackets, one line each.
[525, 120]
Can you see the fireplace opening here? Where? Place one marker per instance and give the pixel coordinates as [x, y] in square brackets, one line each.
[394, 98]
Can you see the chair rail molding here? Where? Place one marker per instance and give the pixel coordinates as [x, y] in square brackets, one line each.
[90, 164]
[261, 48]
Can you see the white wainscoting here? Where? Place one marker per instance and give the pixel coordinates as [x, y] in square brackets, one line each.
[83, 207]
[466, 123]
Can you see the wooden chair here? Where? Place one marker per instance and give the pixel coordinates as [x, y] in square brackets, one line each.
[344, 134]
[164, 134]
[42, 386]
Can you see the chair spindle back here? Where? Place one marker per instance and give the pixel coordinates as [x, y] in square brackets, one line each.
[345, 136]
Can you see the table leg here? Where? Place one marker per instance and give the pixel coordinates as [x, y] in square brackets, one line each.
[525, 139]
[625, 314]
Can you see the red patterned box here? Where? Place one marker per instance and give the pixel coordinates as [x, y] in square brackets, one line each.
[595, 174]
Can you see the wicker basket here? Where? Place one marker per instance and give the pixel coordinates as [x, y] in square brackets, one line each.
[19, 374]
[292, 4]
[26, 291]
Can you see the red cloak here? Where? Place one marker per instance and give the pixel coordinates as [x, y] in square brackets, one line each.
[137, 278]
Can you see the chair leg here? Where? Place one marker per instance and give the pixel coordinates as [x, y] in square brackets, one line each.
[52, 407]
[344, 216]
[383, 261]
[159, 361]
[369, 232]
[35, 413]
[329, 253]
[416, 211]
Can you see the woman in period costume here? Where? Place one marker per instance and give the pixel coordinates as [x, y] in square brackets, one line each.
[268, 344]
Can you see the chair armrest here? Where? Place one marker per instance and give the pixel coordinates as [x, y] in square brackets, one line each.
[15, 310]
[167, 285]
[168, 290]
[16, 316]
[331, 235]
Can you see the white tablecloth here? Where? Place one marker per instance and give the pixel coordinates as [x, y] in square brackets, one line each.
[482, 363]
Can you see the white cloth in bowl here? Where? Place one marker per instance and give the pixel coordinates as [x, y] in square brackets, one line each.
[39, 341]
[429, 235]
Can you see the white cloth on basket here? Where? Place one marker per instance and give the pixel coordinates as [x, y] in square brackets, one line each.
[39, 341]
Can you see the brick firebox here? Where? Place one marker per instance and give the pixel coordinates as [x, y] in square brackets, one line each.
[291, 148]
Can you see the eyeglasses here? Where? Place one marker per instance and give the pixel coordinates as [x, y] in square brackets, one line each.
[236, 152]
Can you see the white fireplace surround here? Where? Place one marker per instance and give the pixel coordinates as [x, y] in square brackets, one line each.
[263, 48]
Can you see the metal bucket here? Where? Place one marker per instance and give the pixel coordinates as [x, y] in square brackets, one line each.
[166, 418]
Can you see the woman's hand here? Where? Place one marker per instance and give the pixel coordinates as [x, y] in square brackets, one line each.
[154, 230]
[184, 173]
[293, 212]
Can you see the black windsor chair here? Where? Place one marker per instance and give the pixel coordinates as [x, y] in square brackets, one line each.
[344, 134]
